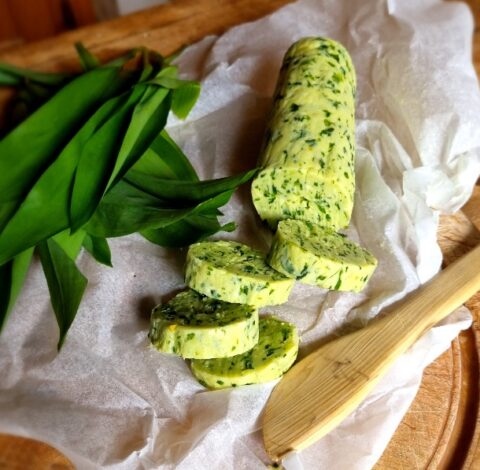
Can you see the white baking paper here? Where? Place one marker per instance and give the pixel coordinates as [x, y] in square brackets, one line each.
[109, 401]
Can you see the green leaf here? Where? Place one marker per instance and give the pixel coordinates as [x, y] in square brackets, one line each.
[164, 159]
[97, 160]
[32, 146]
[169, 71]
[169, 80]
[45, 210]
[12, 276]
[87, 60]
[102, 164]
[184, 99]
[185, 95]
[70, 244]
[21, 74]
[189, 230]
[65, 283]
[176, 190]
[126, 209]
[99, 249]
[8, 79]
[148, 120]
[147, 68]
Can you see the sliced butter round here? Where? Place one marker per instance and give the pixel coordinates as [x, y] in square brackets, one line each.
[274, 354]
[319, 256]
[236, 273]
[194, 326]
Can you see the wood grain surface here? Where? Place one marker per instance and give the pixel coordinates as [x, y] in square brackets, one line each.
[20, 453]
[441, 429]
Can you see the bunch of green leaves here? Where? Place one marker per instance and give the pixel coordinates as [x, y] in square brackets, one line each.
[92, 160]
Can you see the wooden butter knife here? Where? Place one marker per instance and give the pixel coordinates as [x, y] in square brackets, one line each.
[326, 386]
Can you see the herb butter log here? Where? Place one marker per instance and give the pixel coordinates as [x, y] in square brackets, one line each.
[308, 155]
[274, 354]
[194, 326]
[319, 256]
[235, 273]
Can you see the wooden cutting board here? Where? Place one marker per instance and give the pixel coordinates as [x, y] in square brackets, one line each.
[442, 428]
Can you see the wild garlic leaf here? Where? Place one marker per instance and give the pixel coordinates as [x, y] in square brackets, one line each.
[151, 62]
[76, 149]
[186, 190]
[185, 92]
[185, 98]
[9, 79]
[12, 277]
[87, 60]
[40, 138]
[170, 71]
[44, 211]
[189, 230]
[65, 282]
[148, 120]
[97, 159]
[22, 74]
[164, 159]
[99, 249]
[70, 244]
[169, 80]
[127, 209]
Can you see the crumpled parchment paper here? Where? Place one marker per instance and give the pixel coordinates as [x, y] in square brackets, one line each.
[109, 401]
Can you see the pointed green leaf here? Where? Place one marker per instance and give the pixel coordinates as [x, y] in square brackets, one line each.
[169, 80]
[148, 69]
[186, 92]
[65, 283]
[8, 79]
[164, 159]
[176, 190]
[12, 276]
[70, 244]
[32, 146]
[127, 209]
[45, 78]
[97, 159]
[99, 249]
[44, 211]
[184, 99]
[170, 71]
[148, 120]
[87, 60]
[189, 230]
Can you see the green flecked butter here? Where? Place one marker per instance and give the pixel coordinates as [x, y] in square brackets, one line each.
[319, 256]
[274, 354]
[234, 272]
[194, 326]
[308, 155]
